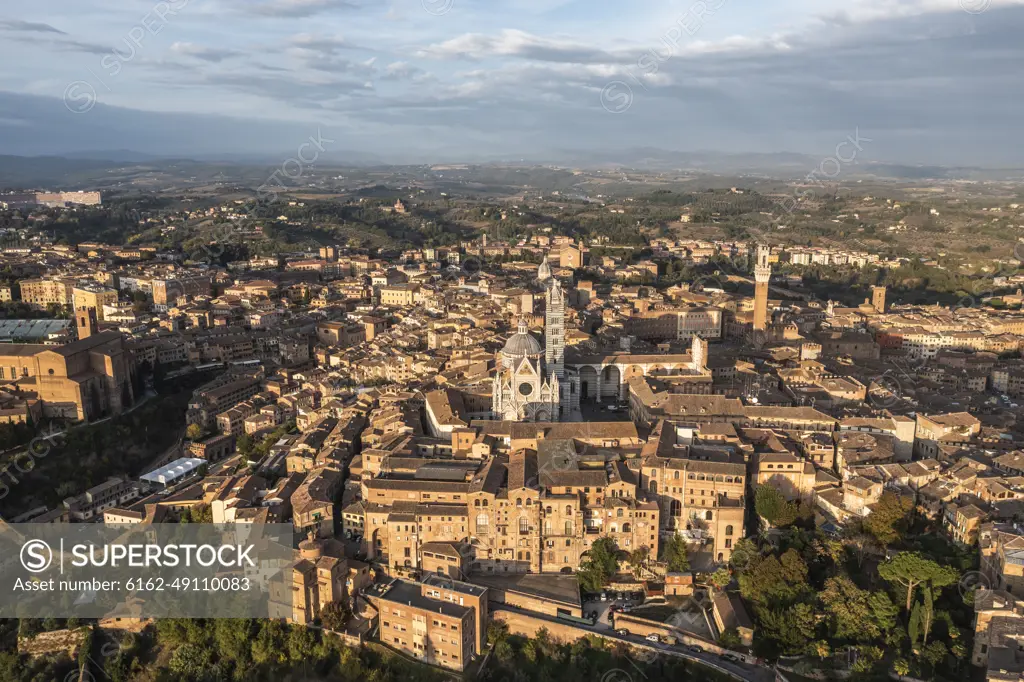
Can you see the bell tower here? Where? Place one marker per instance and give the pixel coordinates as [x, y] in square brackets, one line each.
[762, 275]
[85, 322]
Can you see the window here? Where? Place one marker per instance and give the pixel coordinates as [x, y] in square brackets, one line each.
[708, 516]
[524, 526]
[618, 512]
[728, 530]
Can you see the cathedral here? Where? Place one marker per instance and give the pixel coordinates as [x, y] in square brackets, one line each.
[531, 383]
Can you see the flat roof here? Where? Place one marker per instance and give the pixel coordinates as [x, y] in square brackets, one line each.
[406, 593]
[32, 329]
[173, 471]
[559, 588]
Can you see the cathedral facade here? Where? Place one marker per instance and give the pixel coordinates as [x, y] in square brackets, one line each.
[531, 383]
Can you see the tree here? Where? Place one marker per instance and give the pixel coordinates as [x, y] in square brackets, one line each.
[791, 628]
[773, 507]
[911, 569]
[600, 565]
[914, 625]
[744, 553]
[244, 444]
[720, 578]
[674, 554]
[194, 432]
[730, 639]
[637, 560]
[775, 581]
[847, 609]
[901, 667]
[334, 616]
[889, 520]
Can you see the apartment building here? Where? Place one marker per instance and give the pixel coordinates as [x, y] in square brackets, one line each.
[670, 325]
[700, 488]
[538, 511]
[314, 502]
[207, 404]
[399, 294]
[40, 293]
[94, 297]
[441, 622]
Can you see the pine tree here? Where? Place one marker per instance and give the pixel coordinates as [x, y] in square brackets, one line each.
[914, 626]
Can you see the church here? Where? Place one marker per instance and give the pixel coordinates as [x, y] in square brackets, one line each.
[531, 383]
[535, 383]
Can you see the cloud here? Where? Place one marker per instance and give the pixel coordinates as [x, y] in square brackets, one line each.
[28, 27]
[516, 43]
[404, 71]
[207, 54]
[297, 8]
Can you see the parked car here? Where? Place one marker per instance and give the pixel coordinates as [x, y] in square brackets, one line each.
[732, 658]
[694, 648]
[622, 631]
[604, 596]
[652, 638]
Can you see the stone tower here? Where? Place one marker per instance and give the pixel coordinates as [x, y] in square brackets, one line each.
[85, 321]
[762, 275]
[698, 354]
[554, 329]
[878, 298]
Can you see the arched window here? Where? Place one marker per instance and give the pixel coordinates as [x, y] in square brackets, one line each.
[676, 476]
[548, 510]
[625, 527]
[728, 530]
[690, 477]
[519, 502]
[676, 508]
[618, 512]
[708, 516]
[486, 503]
[529, 502]
[654, 473]
[568, 510]
[476, 503]
[524, 525]
[654, 486]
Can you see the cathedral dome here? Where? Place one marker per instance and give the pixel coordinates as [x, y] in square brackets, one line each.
[544, 271]
[522, 343]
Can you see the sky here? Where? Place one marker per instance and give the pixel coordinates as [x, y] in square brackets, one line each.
[926, 81]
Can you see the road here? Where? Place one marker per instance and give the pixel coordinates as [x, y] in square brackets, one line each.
[741, 671]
